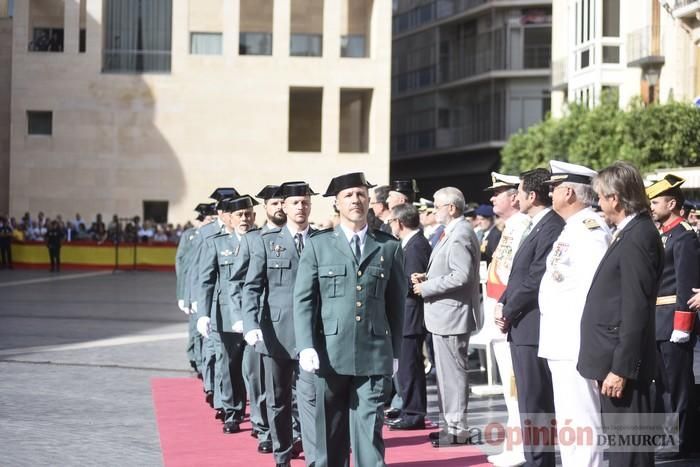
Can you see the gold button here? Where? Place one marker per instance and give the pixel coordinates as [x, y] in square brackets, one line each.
[359, 287]
[387, 332]
[330, 273]
[277, 265]
[358, 318]
[359, 304]
[359, 273]
[382, 275]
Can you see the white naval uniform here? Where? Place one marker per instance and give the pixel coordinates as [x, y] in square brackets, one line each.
[498, 273]
[571, 266]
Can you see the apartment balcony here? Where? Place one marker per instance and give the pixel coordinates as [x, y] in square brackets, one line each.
[644, 49]
[560, 74]
[682, 9]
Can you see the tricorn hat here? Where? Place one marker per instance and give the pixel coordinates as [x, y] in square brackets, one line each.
[269, 192]
[351, 180]
[223, 193]
[670, 185]
[288, 189]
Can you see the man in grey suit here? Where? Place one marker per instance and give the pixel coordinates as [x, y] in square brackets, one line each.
[450, 291]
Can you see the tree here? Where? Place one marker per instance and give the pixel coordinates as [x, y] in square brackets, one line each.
[651, 137]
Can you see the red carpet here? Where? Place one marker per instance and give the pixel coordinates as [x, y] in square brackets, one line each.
[189, 435]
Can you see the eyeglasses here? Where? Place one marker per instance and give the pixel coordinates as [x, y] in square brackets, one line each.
[390, 220]
[437, 208]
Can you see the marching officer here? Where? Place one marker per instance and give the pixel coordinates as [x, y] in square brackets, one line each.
[210, 343]
[570, 267]
[675, 338]
[222, 271]
[272, 200]
[269, 324]
[183, 263]
[350, 283]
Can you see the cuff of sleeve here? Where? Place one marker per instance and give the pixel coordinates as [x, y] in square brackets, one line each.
[683, 320]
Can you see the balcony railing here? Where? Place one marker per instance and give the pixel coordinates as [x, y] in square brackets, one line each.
[644, 47]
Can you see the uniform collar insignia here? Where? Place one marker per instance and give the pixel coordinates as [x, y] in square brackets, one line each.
[226, 253]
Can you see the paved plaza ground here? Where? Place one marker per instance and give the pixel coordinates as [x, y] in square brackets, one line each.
[77, 353]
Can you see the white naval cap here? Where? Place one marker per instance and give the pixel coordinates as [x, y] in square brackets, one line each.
[502, 181]
[566, 172]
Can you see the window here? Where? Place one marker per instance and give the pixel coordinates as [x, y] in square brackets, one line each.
[255, 37]
[157, 211]
[45, 25]
[205, 43]
[585, 58]
[611, 54]
[354, 119]
[537, 48]
[355, 28]
[39, 122]
[305, 109]
[306, 39]
[137, 36]
[82, 27]
[611, 18]
[6, 8]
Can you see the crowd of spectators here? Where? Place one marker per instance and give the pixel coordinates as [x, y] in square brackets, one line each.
[122, 230]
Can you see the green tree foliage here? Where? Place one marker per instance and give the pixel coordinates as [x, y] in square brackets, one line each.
[651, 137]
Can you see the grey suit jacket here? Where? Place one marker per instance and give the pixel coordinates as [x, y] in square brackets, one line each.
[451, 291]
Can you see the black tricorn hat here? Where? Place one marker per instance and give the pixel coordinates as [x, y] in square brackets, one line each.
[670, 185]
[351, 180]
[206, 209]
[269, 192]
[405, 187]
[288, 189]
[236, 204]
[223, 193]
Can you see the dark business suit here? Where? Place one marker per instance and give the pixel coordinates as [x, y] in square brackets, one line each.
[674, 370]
[520, 306]
[411, 373]
[618, 324]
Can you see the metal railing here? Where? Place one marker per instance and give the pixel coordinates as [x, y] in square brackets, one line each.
[642, 43]
[136, 61]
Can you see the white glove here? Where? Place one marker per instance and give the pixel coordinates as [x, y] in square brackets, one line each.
[204, 326]
[395, 366]
[308, 360]
[253, 337]
[181, 306]
[679, 337]
[193, 306]
[238, 327]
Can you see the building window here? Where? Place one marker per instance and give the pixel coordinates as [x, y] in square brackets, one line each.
[7, 8]
[82, 27]
[46, 40]
[305, 110]
[39, 122]
[255, 37]
[611, 54]
[355, 105]
[45, 25]
[306, 29]
[537, 48]
[585, 58]
[355, 28]
[611, 18]
[156, 211]
[205, 43]
[137, 36]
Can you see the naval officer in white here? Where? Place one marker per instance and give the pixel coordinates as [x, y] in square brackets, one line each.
[571, 265]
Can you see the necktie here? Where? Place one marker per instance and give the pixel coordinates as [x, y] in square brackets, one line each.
[526, 232]
[356, 247]
[299, 242]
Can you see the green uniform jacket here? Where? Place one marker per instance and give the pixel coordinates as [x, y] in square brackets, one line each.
[269, 291]
[203, 293]
[225, 273]
[358, 306]
[183, 261]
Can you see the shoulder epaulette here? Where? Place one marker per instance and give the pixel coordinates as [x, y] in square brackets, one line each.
[591, 224]
[271, 231]
[320, 231]
[686, 226]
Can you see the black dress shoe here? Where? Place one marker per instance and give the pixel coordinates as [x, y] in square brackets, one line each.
[391, 413]
[297, 448]
[448, 441]
[220, 414]
[209, 397]
[254, 433]
[437, 434]
[231, 427]
[403, 424]
[265, 447]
